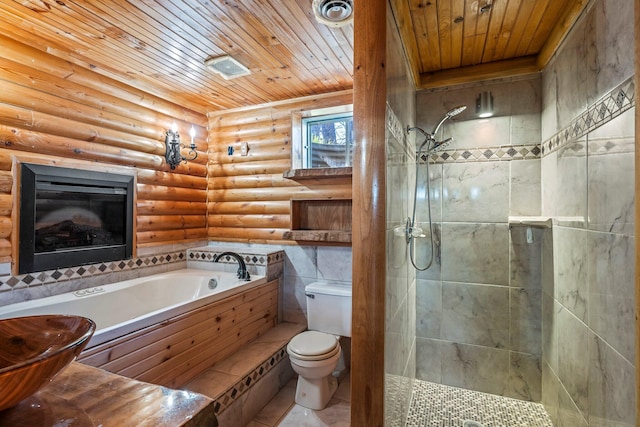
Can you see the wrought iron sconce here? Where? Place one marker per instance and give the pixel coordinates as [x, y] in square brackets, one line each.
[173, 145]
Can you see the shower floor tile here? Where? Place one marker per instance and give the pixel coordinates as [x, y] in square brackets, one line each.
[437, 405]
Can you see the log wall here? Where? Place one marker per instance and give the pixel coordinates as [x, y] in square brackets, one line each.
[54, 112]
[248, 199]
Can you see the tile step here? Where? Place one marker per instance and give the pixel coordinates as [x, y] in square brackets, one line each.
[230, 378]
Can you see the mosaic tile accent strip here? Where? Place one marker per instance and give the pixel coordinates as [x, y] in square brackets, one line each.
[437, 405]
[397, 129]
[259, 260]
[8, 283]
[610, 106]
[485, 154]
[248, 381]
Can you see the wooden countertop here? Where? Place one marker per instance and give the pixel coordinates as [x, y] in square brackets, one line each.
[83, 396]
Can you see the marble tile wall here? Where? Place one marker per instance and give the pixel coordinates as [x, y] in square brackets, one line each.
[588, 258]
[479, 306]
[304, 265]
[588, 302]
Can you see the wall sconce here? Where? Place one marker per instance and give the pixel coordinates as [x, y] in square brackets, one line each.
[484, 105]
[173, 145]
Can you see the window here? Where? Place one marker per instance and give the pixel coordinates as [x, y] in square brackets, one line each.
[322, 138]
[327, 141]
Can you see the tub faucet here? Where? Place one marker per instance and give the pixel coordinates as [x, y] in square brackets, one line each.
[242, 267]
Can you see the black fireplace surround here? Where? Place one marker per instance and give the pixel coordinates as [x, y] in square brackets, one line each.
[71, 217]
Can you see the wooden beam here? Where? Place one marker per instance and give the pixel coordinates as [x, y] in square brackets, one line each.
[369, 214]
[475, 73]
[402, 18]
[560, 31]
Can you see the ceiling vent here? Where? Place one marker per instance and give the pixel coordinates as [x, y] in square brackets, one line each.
[334, 13]
[227, 67]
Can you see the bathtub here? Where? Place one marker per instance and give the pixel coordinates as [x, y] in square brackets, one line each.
[119, 309]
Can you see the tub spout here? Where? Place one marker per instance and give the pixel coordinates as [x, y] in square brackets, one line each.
[242, 267]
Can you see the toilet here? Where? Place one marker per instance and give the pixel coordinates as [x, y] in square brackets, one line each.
[314, 354]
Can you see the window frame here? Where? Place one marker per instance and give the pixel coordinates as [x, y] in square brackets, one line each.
[298, 140]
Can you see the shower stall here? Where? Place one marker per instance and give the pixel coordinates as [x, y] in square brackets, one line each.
[510, 256]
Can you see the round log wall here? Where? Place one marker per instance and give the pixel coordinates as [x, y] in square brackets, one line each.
[54, 112]
[248, 199]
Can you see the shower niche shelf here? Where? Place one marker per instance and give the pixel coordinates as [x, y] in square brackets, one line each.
[320, 220]
[530, 221]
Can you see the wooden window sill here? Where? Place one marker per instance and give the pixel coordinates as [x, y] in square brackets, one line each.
[315, 173]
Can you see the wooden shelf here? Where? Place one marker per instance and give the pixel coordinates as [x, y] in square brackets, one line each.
[329, 236]
[324, 220]
[318, 173]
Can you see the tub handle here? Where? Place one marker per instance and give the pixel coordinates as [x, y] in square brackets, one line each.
[89, 291]
[213, 283]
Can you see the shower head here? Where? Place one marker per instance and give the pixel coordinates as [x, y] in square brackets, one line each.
[453, 112]
[457, 110]
[440, 145]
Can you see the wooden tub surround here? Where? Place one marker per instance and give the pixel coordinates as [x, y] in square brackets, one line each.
[172, 352]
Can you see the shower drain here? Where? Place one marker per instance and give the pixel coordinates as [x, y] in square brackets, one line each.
[469, 423]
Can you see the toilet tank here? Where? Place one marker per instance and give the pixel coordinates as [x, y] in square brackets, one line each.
[329, 308]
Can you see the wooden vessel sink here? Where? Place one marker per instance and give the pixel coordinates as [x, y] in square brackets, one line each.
[34, 349]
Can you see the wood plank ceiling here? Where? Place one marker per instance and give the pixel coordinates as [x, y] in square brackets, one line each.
[458, 41]
[159, 46]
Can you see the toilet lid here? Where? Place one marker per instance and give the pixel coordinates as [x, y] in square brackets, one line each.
[313, 343]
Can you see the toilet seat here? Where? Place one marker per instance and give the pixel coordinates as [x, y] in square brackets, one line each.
[313, 345]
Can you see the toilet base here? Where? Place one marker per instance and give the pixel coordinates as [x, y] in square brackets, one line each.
[315, 393]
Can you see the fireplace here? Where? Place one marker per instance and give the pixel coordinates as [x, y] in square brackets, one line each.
[71, 217]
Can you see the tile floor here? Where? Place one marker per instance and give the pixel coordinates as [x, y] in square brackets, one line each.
[432, 405]
[437, 405]
[283, 412]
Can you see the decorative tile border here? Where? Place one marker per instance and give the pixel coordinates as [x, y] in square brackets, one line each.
[458, 155]
[31, 280]
[7, 283]
[397, 129]
[610, 106]
[485, 154]
[248, 381]
[258, 260]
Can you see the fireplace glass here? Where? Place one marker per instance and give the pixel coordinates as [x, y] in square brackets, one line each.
[72, 217]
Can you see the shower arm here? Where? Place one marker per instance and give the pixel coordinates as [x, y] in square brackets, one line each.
[428, 138]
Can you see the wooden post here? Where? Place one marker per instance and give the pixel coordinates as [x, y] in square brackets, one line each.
[368, 217]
